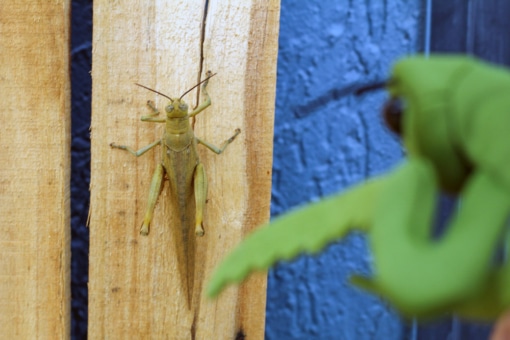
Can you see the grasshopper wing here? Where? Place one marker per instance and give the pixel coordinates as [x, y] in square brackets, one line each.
[308, 229]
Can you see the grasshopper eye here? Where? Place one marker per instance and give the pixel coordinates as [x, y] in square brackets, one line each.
[183, 107]
[393, 114]
[169, 108]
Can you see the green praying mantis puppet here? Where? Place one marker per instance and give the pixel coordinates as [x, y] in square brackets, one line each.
[453, 114]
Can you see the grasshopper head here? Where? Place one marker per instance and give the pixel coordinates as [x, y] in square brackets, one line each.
[177, 108]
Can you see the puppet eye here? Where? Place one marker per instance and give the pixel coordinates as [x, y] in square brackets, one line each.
[393, 114]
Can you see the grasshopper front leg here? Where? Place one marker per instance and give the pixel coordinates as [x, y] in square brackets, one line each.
[153, 116]
[219, 150]
[207, 102]
[137, 153]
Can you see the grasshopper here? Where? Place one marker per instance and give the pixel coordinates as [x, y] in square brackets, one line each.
[185, 172]
[180, 160]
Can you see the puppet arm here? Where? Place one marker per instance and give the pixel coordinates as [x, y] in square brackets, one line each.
[308, 229]
[421, 276]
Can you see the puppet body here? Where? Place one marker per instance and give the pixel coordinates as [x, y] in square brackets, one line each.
[454, 125]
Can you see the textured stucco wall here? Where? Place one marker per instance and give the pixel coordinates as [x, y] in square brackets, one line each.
[326, 140]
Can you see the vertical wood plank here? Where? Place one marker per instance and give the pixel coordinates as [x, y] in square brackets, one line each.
[35, 170]
[475, 27]
[449, 24]
[487, 33]
[134, 289]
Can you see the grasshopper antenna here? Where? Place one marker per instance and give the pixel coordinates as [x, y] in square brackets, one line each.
[206, 79]
[164, 95]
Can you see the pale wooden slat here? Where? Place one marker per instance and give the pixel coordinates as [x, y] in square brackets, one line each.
[34, 170]
[135, 290]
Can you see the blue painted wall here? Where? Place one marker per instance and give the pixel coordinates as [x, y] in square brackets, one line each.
[325, 140]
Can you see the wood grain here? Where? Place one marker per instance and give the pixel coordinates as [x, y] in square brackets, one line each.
[35, 170]
[134, 289]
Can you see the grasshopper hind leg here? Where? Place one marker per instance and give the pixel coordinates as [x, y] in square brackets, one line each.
[157, 181]
[200, 185]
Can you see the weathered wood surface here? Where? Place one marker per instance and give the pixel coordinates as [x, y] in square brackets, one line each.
[134, 289]
[34, 170]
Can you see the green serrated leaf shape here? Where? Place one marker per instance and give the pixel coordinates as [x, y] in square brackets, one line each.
[305, 230]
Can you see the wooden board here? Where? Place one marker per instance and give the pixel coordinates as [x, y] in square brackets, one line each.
[134, 290]
[35, 170]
